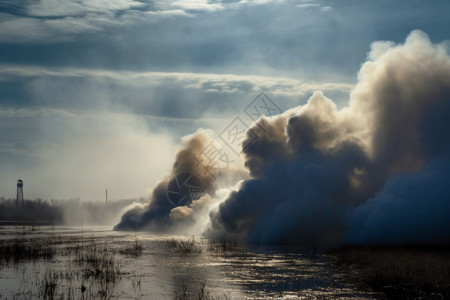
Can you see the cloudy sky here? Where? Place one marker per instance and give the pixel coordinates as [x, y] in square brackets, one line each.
[97, 94]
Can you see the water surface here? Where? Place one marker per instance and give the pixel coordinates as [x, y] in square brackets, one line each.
[165, 269]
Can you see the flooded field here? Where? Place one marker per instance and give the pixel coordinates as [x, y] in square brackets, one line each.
[98, 263]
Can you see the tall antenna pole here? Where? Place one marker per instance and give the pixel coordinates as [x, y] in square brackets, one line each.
[106, 196]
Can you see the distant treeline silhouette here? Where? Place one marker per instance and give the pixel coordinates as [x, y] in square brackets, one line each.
[64, 212]
[33, 211]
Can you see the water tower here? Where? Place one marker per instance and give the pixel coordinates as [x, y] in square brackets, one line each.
[19, 198]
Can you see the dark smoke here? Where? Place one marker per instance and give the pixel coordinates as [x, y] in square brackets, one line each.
[376, 171]
[160, 214]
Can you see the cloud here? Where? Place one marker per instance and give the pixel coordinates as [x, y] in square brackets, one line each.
[197, 5]
[152, 94]
[225, 82]
[54, 8]
[272, 38]
[49, 21]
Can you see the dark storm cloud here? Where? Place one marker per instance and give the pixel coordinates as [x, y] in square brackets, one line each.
[316, 169]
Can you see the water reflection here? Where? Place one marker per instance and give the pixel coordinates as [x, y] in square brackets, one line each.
[176, 267]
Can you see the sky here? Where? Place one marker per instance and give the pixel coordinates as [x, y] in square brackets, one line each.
[98, 94]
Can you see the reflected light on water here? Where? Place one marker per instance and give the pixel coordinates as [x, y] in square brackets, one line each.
[164, 267]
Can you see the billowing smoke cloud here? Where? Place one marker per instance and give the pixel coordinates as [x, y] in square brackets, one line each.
[175, 207]
[374, 171]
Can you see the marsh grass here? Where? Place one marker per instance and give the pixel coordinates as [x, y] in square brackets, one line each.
[199, 292]
[398, 270]
[93, 274]
[230, 249]
[18, 250]
[223, 245]
[50, 283]
[134, 250]
[81, 265]
[92, 270]
[99, 269]
[185, 246]
[77, 284]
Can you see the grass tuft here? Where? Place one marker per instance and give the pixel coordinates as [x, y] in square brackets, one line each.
[185, 246]
[134, 250]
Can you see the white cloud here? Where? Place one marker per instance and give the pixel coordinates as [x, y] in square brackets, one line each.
[57, 8]
[308, 5]
[54, 20]
[60, 20]
[22, 29]
[225, 83]
[197, 5]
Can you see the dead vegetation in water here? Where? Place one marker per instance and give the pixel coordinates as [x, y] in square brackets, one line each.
[188, 245]
[134, 250]
[50, 283]
[411, 272]
[18, 250]
[199, 292]
[92, 270]
[93, 273]
[223, 245]
[192, 245]
[77, 284]
[98, 263]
